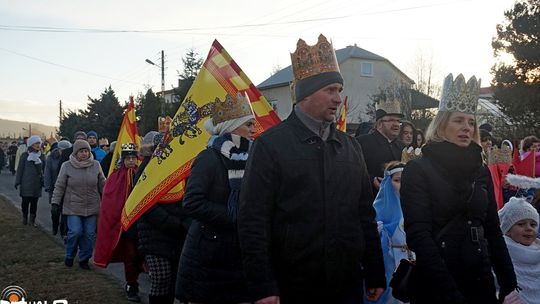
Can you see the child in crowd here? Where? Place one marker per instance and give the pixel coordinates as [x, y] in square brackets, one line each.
[519, 223]
[390, 225]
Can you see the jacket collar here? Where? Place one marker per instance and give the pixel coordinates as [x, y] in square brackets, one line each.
[306, 135]
[381, 139]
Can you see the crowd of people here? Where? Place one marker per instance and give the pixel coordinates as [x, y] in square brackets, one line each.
[304, 213]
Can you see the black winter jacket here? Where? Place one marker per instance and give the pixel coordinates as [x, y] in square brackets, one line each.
[306, 221]
[452, 267]
[161, 231]
[210, 266]
[30, 176]
[378, 151]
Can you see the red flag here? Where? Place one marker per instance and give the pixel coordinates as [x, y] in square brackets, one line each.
[524, 166]
[342, 120]
[127, 134]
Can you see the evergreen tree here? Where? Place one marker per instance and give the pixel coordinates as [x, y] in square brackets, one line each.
[192, 64]
[148, 109]
[71, 123]
[517, 84]
[103, 115]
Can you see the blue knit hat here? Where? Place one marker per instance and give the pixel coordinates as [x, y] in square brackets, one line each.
[91, 133]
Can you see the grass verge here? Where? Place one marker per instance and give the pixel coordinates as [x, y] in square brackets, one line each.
[32, 260]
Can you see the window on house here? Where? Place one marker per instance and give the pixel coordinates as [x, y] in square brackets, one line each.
[366, 69]
[273, 103]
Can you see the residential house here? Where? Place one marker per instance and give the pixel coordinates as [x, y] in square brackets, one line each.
[365, 74]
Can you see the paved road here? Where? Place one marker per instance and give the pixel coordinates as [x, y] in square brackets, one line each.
[7, 190]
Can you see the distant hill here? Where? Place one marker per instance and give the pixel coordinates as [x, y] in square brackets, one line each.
[14, 129]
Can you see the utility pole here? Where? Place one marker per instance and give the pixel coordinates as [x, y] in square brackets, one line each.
[162, 102]
[163, 83]
[61, 114]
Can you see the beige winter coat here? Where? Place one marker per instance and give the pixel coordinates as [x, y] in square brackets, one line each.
[79, 187]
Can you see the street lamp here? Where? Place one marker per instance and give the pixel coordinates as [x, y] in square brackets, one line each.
[29, 130]
[162, 79]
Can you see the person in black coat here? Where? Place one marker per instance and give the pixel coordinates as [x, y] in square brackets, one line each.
[211, 265]
[450, 211]
[106, 161]
[161, 233]
[2, 158]
[306, 222]
[382, 145]
[12, 154]
[30, 178]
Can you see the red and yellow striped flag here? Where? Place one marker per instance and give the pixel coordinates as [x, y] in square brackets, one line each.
[164, 178]
[342, 120]
[127, 134]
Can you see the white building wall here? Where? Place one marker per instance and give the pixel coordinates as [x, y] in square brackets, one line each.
[358, 88]
[280, 98]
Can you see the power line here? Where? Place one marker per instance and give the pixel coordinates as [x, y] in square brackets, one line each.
[66, 67]
[24, 28]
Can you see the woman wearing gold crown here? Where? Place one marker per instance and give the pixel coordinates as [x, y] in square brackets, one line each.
[450, 211]
[210, 266]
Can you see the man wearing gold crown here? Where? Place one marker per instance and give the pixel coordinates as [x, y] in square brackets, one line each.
[306, 221]
[382, 145]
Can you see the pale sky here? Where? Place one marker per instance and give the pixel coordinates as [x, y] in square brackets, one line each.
[70, 49]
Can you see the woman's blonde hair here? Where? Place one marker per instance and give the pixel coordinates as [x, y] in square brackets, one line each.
[437, 127]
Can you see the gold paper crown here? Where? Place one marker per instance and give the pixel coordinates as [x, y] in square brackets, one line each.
[231, 108]
[410, 153]
[502, 155]
[129, 147]
[458, 96]
[308, 60]
[391, 106]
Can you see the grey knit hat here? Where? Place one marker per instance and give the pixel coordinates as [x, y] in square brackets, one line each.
[79, 134]
[80, 144]
[112, 146]
[515, 210]
[148, 139]
[64, 144]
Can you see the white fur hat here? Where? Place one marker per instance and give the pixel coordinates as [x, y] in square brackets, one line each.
[515, 210]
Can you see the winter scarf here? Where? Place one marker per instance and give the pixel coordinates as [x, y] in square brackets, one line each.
[526, 260]
[461, 165]
[235, 149]
[81, 163]
[34, 156]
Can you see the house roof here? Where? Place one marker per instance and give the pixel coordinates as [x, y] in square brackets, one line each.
[420, 100]
[284, 76]
[486, 90]
[490, 108]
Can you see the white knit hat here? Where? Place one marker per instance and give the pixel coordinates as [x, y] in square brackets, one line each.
[33, 139]
[515, 210]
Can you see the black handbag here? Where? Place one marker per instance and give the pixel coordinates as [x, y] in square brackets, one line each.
[403, 277]
[401, 280]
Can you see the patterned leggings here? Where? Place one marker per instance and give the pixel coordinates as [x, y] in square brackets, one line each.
[162, 273]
